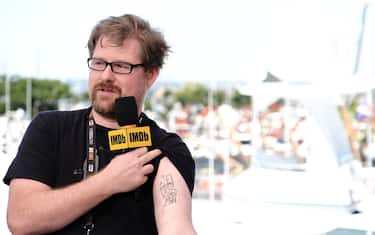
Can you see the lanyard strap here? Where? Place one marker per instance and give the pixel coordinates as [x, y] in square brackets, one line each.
[90, 165]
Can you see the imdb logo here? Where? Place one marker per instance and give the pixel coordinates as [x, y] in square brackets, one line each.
[129, 138]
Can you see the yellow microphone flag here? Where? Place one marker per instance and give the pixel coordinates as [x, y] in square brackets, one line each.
[129, 138]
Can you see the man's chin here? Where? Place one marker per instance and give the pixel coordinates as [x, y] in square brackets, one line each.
[106, 114]
[105, 110]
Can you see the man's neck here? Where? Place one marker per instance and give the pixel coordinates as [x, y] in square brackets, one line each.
[105, 121]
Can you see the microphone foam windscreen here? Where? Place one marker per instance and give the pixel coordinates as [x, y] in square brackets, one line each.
[126, 111]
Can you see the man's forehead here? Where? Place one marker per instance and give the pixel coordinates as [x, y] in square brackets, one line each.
[105, 41]
[130, 48]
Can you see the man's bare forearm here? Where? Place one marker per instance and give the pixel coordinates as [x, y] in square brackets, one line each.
[39, 209]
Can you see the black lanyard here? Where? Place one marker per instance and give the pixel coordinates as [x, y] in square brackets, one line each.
[90, 165]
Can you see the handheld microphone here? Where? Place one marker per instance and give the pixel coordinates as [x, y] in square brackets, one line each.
[126, 111]
[129, 136]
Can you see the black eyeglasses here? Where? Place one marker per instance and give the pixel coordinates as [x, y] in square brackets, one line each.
[116, 67]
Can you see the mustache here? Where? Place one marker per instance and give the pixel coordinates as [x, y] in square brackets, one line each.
[107, 87]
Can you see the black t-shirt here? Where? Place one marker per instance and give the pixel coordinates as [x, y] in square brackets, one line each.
[53, 151]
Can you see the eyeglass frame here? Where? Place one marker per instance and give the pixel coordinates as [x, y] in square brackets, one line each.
[132, 66]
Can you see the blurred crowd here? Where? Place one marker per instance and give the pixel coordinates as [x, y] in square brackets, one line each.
[224, 140]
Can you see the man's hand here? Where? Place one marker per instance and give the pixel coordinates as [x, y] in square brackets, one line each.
[128, 171]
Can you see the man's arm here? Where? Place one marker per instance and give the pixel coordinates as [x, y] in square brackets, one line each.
[36, 208]
[172, 201]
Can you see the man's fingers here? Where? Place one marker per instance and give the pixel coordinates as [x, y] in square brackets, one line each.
[147, 169]
[140, 151]
[149, 156]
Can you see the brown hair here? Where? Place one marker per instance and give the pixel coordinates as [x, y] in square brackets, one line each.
[117, 29]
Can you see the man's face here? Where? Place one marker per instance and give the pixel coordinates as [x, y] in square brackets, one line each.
[105, 86]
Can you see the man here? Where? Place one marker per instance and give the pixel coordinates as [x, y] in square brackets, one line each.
[141, 191]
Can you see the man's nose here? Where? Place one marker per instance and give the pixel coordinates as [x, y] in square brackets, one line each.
[107, 73]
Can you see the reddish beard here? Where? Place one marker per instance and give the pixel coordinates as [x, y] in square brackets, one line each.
[105, 105]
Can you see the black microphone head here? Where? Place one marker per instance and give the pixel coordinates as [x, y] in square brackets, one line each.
[126, 111]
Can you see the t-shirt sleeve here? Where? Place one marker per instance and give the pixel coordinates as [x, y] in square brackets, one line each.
[178, 153]
[35, 158]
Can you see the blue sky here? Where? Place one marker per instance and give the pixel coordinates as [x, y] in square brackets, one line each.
[211, 40]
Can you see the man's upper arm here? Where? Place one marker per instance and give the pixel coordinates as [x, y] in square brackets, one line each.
[172, 200]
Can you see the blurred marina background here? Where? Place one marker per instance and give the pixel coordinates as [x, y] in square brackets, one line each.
[275, 100]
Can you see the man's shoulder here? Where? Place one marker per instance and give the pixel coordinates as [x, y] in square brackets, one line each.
[59, 118]
[157, 131]
[63, 114]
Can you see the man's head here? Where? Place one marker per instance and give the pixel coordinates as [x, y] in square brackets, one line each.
[126, 55]
[118, 29]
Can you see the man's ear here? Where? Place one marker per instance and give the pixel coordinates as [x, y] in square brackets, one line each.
[152, 75]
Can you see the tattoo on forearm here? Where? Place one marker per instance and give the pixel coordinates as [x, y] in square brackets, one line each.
[167, 190]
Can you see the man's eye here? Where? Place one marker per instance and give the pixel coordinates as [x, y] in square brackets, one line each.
[98, 62]
[121, 65]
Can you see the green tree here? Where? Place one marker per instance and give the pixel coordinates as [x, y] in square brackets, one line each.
[2, 85]
[192, 93]
[239, 100]
[45, 93]
[168, 99]
[17, 92]
[219, 97]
